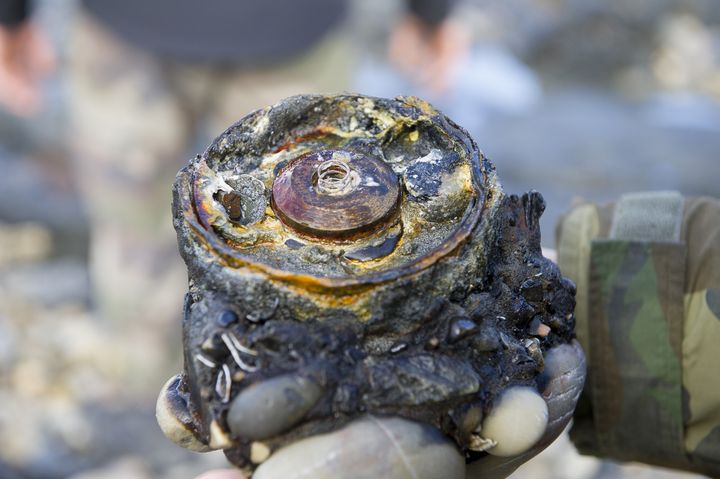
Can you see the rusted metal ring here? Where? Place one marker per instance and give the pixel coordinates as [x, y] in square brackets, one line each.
[335, 193]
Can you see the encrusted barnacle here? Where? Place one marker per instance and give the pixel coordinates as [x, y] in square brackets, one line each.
[351, 257]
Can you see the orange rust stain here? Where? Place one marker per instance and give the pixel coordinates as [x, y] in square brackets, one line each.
[313, 134]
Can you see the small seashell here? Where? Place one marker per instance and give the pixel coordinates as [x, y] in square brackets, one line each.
[246, 203]
[174, 418]
[563, 378]
[532, 345]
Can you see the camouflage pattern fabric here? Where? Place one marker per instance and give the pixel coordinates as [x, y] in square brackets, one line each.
[648, 317]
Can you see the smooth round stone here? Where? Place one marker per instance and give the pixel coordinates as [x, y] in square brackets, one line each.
[272, 406]
[516, 422]
[369, 448]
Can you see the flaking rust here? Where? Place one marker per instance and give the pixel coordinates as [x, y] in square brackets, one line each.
[357, 255]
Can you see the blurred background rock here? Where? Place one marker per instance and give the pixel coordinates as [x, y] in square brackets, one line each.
[574, 98]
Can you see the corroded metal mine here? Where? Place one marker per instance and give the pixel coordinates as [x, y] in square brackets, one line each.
[351, 255]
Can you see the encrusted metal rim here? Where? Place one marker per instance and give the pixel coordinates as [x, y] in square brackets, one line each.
[234, 259]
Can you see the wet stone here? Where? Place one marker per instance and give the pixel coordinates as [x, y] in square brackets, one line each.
[372, 252]
[532, 290]
[461, 328]
[522, 309]
[538, 328]
[271, 406]
[487, 338]
[293, 244]
[407, 447]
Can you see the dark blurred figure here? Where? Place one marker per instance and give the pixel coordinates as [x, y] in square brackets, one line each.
[148, 80]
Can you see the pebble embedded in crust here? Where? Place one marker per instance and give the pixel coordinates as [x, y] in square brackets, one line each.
[516, 422]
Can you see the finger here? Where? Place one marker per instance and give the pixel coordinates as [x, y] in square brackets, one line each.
[222, 474]
[369, 448]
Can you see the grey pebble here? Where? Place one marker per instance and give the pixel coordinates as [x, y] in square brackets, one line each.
[272, 406]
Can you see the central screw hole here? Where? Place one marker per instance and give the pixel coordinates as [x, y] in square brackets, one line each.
[334, 177]
[333, 171]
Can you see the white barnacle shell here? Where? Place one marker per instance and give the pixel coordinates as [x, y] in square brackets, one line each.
[174, 419]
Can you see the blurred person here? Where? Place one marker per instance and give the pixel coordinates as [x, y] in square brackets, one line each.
[146, 80]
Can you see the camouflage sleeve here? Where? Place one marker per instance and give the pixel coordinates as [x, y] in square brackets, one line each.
[648, 315]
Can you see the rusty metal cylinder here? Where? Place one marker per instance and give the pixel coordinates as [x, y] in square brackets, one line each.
[351, 255]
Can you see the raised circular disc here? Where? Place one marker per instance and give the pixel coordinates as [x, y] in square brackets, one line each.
[409, 137]
[335, 193]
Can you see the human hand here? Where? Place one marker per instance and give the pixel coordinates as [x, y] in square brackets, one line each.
[222, 474]
[25, 57]
[428, 53]
[397, 448]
